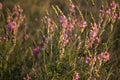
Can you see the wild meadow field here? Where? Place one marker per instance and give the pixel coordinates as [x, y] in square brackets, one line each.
[59, 40]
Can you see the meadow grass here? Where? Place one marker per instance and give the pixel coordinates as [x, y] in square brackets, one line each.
[70, 44]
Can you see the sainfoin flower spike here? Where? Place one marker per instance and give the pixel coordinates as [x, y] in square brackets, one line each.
[105, 56]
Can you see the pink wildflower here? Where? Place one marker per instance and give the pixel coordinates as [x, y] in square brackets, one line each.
[12, 25]
[94, 31]
[36, 50]
[113, 5]
[69, 26]
[105, 55]
[73, 8]
[76, 76]
[74, 21]
[92, 35]
[83, 24]
[88, 59]
[114, 15]
[94, 59]
[98, 39]
[63, 21]
[48, 18]
[108, 12]
[99, 57]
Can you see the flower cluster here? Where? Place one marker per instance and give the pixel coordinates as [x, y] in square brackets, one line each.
[12, 25]
[83, 24]
[104, 56]
[76, 76]
[36, 50]
[64, 39]
[67, 24]
[90, 59]
[72, 6]
[93, 35]
[14, 20]
[63, 21]
[113, 5]
[111, 11]
[63, 34]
